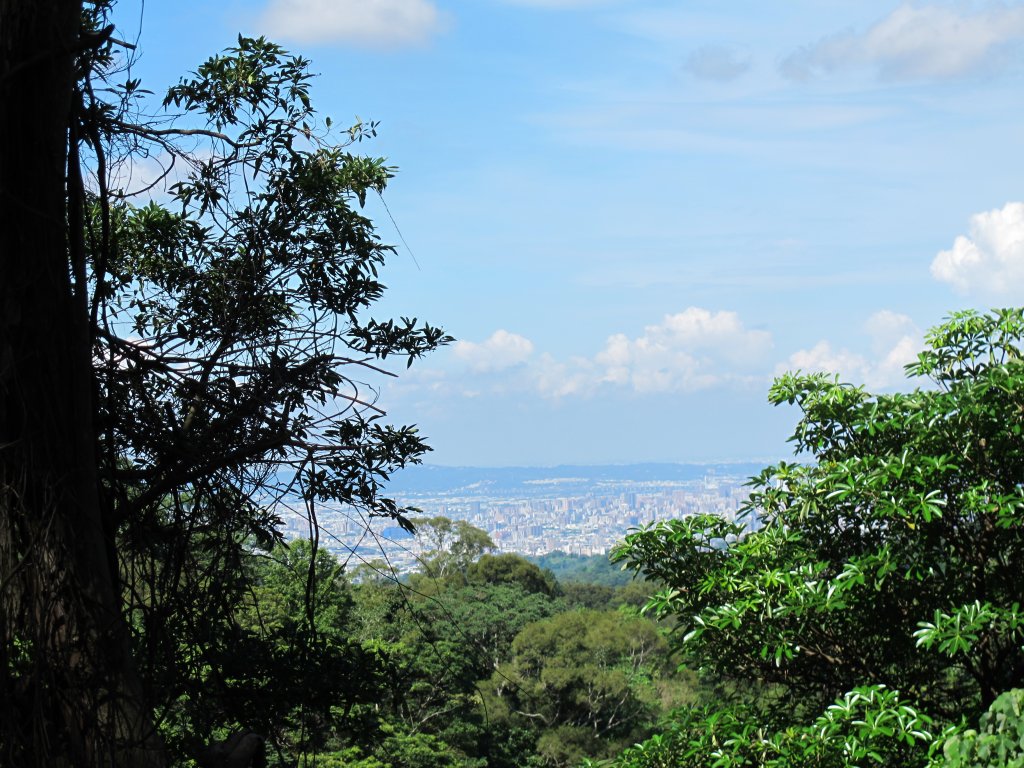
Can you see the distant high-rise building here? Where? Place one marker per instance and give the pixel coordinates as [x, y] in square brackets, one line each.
[710, 481]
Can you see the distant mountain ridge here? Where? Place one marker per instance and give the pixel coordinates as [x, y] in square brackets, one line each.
[533, 481]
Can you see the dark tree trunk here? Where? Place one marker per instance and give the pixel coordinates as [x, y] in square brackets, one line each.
[69, 694]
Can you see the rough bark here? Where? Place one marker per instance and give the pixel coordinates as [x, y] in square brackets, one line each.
[69, 695]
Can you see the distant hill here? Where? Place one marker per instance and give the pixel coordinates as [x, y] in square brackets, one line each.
[540, 481]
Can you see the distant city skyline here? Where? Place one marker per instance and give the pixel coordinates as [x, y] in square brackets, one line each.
[632, 214]
[533, 512]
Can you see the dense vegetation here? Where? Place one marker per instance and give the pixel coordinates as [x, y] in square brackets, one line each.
[875, 613]
[583, 569]
[871, 617]
[475, 660]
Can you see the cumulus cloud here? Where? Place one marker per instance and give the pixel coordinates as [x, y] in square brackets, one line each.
[691, 350]
[917, 41]
[685, 352]
[822, 357]
[501, 350]
[893, 341]
[989, 262]
[556, 378]
[362, 22]
[716, 62]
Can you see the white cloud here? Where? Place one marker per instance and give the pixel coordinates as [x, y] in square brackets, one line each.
[886, 329]
[363, 22]
[691, 350]
[501, 350]
[894, 341]
[555, 378]
[718, 63]
[917, 41]
[821, 357]
[990, 262]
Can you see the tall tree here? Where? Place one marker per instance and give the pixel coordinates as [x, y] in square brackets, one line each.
[70, 694]
[450, 546]
[170, 372]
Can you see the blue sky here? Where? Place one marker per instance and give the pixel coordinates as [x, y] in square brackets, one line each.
[633, 214]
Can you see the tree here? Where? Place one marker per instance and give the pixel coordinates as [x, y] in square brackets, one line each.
[438, 639]
[451, 546]
[170, 372]
[63, 647]
[884, 576]
[512, 569]
[587, 569]
[291, 667]
[584, 682]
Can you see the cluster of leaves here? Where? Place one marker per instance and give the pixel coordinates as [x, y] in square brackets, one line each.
[878, 595]
[593, 679]
[998, 741]
[870, 725]
[230, 318]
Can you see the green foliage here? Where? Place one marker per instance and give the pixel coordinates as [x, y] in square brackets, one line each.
[960, 630]
[487, 618]
[285, 665]
[396, 750]
[451, 546]
[890, 563]
[294, 591]
[998, 741]
[437, 647]
[869, 726]
[579, 594]
[456, 653]
[512, 570]
[586, 682]
[587, 569]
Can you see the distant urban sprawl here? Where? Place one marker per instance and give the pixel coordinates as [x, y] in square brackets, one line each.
[540, 512]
